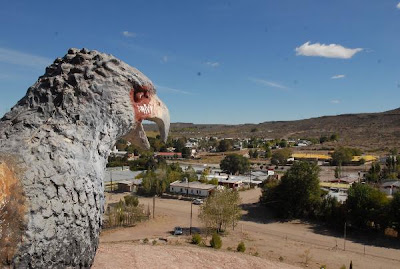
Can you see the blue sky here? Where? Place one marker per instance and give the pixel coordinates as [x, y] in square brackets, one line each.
[220, 61]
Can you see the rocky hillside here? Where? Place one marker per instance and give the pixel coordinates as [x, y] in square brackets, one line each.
[370, 131]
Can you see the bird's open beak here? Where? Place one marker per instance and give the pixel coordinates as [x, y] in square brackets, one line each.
[148, 106]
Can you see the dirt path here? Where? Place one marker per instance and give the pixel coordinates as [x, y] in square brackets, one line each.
[290, 242]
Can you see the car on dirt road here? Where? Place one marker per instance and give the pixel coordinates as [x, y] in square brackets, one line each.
[178, 231]
[198, 201]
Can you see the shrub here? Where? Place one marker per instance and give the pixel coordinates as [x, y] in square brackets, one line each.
[131, 200]
[154, 242]
[241, 247]
[281, 259]
[196, 239]
[229, 248]
[146, 240]
[216, 241]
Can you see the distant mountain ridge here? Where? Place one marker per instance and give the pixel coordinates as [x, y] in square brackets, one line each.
[371, 131]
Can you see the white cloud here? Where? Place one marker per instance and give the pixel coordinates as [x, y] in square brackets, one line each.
[128, 34]
[268, 83]
[171, 90]
[21, 58]
[213, 64]
[335, 101]
[398, 5]
[164, 59]
[328, 51]
[338, 76]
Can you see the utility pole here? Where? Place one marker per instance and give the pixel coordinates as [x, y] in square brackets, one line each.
[344, 245]
[191, 215]
[154, 205]
[250, 178]
[111, 180]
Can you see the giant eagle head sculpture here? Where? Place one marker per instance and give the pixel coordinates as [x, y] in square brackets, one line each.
[54, 145]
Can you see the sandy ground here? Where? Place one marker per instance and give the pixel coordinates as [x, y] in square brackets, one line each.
[288, 242]
[185, 257]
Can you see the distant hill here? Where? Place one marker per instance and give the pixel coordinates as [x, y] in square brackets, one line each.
[370, 131]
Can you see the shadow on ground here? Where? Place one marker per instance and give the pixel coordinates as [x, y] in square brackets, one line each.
[367, 238]
[258, 213]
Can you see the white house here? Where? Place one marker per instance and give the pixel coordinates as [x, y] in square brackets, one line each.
[192, 188]
[390, 187]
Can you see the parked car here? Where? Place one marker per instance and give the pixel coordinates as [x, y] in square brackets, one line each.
[198, 201]
[178, 231]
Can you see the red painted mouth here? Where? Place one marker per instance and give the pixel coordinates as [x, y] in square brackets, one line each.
[140, 99]
[147, 106]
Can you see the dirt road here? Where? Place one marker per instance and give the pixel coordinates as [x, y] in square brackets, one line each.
[292, 242]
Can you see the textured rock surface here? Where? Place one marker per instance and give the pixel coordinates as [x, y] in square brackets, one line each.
[60, 134]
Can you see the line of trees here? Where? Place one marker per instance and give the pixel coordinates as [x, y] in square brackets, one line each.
[298, 195]
[390, 171]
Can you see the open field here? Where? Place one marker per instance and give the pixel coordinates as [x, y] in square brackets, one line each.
[271, 239]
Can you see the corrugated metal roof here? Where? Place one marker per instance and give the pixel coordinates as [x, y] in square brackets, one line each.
[192, 185]
[121, 175]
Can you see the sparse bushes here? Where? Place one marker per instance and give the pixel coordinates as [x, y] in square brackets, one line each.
[216, 241]
[126, 212]
[241, 247]
[196, 239]
[145, 241]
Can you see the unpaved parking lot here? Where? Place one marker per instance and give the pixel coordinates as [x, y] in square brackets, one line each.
[290, 242]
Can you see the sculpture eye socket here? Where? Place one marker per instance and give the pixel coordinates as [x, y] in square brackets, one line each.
[139, 95]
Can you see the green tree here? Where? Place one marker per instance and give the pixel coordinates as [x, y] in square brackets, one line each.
[268, 153]
[298, 194]
[338, 171]
[323, 139]
[234, 164]
[334, 137]
[221, 210]
[224, 145]
[179, 144]
[283, 143]
[280, 156]
[366, 206]
[373, 174]
[344, 155]
[395, 211]
[213, 181]
[190, 174]
[186, 153]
